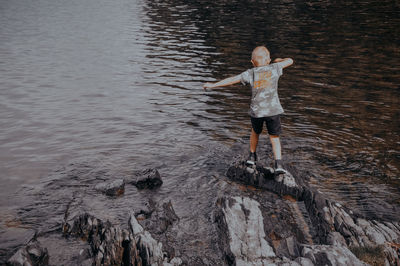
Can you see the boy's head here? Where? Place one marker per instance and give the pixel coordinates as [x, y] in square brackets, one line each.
[260, 56]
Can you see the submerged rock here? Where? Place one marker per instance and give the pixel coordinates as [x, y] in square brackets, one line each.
[114, 188]
[270, 220]
[149, 178]
[31, 254]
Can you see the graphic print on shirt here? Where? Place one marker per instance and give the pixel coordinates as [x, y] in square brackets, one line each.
[262, 80]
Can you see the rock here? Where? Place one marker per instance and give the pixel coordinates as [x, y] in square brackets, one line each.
[336, 239]
[150, 250]
[159, 218]
[331, 255]
[114, 188]
[283, 184]
[31, 254]
[373, 235]
[304, 261]
[174, 262]
[110, 245]
[149, 178]
[287, 179]
[332, 222]
[242, 232]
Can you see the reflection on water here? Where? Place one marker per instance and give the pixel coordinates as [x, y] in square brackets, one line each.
[119, 83]
[341, 97]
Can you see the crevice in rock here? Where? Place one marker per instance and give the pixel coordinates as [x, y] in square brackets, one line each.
[330, 223]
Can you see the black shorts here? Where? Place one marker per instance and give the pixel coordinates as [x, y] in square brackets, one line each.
[273, 124]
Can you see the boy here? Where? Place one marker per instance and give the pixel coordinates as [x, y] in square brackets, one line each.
[265, 105]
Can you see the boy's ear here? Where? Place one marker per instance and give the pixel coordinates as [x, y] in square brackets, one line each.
[253, 62]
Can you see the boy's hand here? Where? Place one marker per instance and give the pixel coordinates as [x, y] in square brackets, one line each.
[208, 85]
[284, 62]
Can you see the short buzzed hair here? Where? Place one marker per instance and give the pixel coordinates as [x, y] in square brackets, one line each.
[259, 54]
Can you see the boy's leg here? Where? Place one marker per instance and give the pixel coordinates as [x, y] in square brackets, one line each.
[274, 130]
[276, 147]
[256, 128]
[253, 141]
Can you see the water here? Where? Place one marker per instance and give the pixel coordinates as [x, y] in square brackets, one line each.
[115, 86]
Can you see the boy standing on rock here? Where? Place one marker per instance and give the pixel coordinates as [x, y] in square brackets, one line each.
[265, 105]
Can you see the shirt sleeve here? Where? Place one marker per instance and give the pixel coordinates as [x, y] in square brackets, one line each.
[279, 69]
[245, 77]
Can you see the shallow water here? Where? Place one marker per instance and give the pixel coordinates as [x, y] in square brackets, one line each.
[116, 86]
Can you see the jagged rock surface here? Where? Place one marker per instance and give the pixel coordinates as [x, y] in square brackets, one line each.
[244, 240]
[150, 250]
[31, 254]
[331, 255]
[333, 223]
[242, 232]
[114, 188]
[111, 245]
[149, 178]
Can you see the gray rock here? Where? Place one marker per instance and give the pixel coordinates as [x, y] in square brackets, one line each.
[288, 180]
[331, 255]
[114, 188]
[373, 235]
[332, 223]
[150, 250]
[159, 218]
[283, 184]
[149, 178]
[31, 254]
[242, 224]
[304, 261]
[110, 245]
[336, 239]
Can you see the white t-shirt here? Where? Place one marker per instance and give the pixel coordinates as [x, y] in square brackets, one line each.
[264, 87]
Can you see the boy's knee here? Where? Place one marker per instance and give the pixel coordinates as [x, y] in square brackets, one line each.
[274, 136]
[257, 133]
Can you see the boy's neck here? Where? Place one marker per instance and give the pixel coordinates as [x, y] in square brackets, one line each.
[261, 65]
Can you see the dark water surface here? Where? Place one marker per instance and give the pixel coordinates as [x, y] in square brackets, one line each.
[115, 86]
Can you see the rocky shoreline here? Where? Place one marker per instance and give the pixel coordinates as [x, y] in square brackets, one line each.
[288, 223]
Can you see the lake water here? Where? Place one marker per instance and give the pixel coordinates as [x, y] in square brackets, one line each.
[117, 86]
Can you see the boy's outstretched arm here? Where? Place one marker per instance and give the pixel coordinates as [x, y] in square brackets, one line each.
[284, 62]
[222, 83]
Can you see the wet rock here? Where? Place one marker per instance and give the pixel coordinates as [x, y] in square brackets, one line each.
[31, 254]
[114, 188]
[150, 250]
[334, 225]
[64, 251]
[283, 184]
[149, 178]
[159, 218]
[110, 245]
[244, 241]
